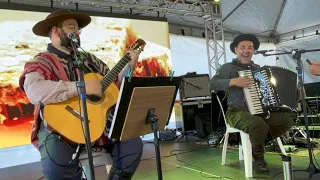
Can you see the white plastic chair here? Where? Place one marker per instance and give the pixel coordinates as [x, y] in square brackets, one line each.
[245, 147]
[99, 158]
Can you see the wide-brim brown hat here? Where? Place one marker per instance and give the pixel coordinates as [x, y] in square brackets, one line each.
[42, 28]
[245, 37]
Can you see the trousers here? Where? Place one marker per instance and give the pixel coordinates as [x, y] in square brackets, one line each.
[259, 128]
[57, 163]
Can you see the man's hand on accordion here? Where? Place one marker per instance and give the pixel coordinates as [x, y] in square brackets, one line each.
[240, 82]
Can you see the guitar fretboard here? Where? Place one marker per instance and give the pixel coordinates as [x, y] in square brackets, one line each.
[109, 78]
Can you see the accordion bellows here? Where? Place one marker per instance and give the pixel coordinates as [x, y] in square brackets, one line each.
[273, 89]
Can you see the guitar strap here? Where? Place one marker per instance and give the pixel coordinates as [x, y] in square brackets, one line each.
[71, 70]
[57, 66]
[91, 63]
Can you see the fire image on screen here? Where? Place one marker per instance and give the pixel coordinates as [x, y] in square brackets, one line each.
[107, 38]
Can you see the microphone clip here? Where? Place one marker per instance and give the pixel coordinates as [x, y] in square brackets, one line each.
[72, 36]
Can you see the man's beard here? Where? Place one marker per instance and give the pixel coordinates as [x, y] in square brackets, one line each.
[66, 42]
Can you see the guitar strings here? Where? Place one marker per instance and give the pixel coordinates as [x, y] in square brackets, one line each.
[122, 62]
[109, 81]
[105, 85]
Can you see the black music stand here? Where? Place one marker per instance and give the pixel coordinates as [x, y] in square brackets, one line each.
[144, 101]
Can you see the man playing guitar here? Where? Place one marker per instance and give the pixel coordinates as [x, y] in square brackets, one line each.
[42, 80]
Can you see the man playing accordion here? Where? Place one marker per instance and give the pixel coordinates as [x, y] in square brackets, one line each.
[260, 128]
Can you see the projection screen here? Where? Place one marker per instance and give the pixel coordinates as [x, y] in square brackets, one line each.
[106, 37]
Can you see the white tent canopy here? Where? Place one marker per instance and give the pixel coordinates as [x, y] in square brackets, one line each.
[273, 16]
[266, 18]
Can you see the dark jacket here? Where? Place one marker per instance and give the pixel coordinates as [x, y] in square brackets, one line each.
[228, 71]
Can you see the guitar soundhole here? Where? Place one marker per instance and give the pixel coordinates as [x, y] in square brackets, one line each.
[94, 98]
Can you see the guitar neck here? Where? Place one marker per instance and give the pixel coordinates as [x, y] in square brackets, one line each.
[111, 75]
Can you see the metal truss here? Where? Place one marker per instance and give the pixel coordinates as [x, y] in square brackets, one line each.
[214, 33]
[147, 7]
[141, 7]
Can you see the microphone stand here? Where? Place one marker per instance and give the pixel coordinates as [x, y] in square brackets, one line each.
[81, 86]
[312, 169]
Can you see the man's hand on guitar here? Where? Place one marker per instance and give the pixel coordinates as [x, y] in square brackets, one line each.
[93, 87]
[240, 82]
[134, 55]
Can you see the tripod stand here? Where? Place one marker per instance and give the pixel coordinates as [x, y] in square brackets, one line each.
[312, 169]
[299, 130]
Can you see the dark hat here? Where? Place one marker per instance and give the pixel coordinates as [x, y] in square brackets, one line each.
[42, 28]
[245, 37]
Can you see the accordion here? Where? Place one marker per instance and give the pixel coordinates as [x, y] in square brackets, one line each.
[272, 89]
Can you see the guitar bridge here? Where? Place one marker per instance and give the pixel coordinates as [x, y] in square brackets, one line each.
[75, 113]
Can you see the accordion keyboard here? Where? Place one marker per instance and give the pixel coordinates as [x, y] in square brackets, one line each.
[251, 93]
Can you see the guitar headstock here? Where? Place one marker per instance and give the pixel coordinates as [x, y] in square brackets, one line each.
[138, 45]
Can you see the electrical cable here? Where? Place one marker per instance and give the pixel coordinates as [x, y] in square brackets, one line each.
[199, 168]
[184, 152]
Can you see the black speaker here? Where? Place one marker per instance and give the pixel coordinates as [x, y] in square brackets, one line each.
[195, 118]
[196, 103]
[194, 85]
[312, 89]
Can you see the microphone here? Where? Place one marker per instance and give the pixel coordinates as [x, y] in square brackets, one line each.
[72, 36]
[261, 51]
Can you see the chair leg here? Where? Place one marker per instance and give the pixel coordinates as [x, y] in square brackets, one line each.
[240, 152]
[221, 140]
[283, 151]
[224, 149]
[247, 153]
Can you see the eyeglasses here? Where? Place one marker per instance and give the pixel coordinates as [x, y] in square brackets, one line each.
[74, 27]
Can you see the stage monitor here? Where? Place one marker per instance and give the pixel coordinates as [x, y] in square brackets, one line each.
[195, 86]
[312, 89]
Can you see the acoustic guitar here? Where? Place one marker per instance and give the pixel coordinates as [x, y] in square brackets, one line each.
[66, 117]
